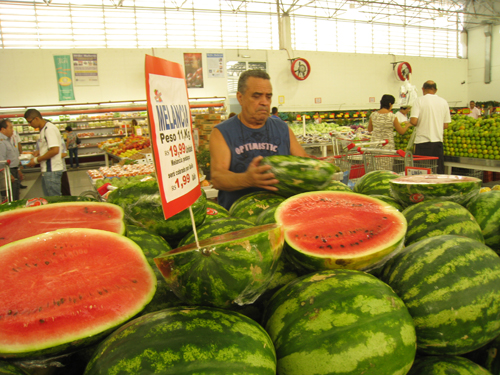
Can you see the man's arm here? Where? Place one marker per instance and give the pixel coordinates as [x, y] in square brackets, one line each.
[53, 151]
[445, 125]
[295, 148]
[413, 121]
[223, 179]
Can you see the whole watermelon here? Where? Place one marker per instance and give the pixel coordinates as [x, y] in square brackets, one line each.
[451, 286]
[488, 356]
[375, 183]
[267, 216]
[250, 206]
[334, 185]
[7, 368]
[215, 211]
[388, 200]
[297, 174]
[446, 365]
[433, 218]
[485, 208]
[340, 322]
[141, 202]
[186, 340]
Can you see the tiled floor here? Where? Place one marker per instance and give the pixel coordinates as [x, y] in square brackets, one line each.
[79, 182]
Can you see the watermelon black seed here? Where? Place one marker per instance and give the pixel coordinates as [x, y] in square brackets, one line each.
[42, 321]
[47, 262]
[63, 300]
[14, 270]
[134, 281]
[316, 237]
[342, 246]
[100, 292]
[9, 312]
[329, 246]
[36, 265]
[385, 218]
[324, 239]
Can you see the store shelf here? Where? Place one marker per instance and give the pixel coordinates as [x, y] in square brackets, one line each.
[471, 163]
[101, 136]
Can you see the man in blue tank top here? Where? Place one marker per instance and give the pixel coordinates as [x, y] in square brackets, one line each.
[238, 144]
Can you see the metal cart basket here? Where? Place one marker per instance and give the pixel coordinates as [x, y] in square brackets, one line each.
[5, 182]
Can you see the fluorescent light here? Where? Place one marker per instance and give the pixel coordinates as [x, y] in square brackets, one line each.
[80, 106]
[13, 109]
[115, 104]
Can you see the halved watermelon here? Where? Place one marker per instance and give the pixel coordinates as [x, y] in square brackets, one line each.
[64, 289]
[19, 224]
[331, 229]
[409, 190]
[235, 267]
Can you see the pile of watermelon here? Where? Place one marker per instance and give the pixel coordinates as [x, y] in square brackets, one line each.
[398, 276]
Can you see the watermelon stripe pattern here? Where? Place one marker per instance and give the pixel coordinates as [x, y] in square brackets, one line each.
[451, 286]
[432, 218]
[186, 340]
[250, 206]
[445, 365]
[485, 208]
[375, 183]
[340, 322]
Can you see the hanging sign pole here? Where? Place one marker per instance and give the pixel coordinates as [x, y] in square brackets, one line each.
[171, 135]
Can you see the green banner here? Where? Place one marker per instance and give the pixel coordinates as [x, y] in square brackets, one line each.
[64, 77]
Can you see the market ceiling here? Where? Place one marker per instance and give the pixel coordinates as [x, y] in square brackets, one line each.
[450, 13]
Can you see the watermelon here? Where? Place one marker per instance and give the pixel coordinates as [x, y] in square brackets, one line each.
[249, 206]
[65, 289]
[340, 322]
[332, 229]
[334, 185]
[388, 200]
[215, 211]
[375, 182]
[297, 174]
[451, 286]
[214, 228]
[19, 224]
[141, 203]
[231, 268]
[409, 190]
[432, 218]
[487, 356]
[446, 365]
[152, 246]
[486, 210]
[186, 340]
[34, 202]
[7, 368]
[267, 216]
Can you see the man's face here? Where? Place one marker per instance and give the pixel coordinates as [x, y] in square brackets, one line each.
[256, 101]
[472, 105]
[9, 130]
[34, 122]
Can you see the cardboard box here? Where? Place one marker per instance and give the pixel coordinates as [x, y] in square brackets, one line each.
[211, 116]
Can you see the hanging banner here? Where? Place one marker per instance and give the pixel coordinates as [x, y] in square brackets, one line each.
[194, 70]
[85, 67]
[64, 77]
[171, 135]
[215, 65]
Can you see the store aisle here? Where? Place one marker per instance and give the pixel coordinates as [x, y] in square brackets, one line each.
[79, 182]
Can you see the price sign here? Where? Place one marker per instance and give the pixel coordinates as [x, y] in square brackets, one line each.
[171, 135]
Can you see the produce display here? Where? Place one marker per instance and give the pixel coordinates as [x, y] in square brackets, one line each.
[443, 365]
[485, 209]
[249, 206]
[127, 146]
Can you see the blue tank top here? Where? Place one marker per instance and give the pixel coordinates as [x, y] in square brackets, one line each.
[245, 144]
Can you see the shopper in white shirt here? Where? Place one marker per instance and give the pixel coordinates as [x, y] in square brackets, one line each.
[474, 111]
[431, 115]
[402, 115]
[50, 152]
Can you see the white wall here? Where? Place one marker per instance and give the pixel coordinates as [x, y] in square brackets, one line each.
[478, 90]
[342, 81]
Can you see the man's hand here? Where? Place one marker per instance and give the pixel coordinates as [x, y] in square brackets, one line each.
[258, 176]
[31, 163]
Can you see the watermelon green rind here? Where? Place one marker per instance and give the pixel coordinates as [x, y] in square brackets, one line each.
[52, 199]
[487, 356]
[342, 322]
[485, 208]
[334, 185]
[216, 227]
[446, 365]
[451, 286]
[388, 200]
[194, 340]
[298, 174]
[249, 206]
[329, 230]
[375, 183]
[409, 190]
[432, 218]
[215, 211]
[267, 216]
[63, 290]
[19, 224]
[7, 368]
[231, 268]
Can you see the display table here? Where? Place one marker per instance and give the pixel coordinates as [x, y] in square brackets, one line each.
[323, 147]
[470, 163]
[107, 155]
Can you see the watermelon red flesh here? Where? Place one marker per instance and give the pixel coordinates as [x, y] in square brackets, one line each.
[68, 285]
[19, 224]
[341, 224]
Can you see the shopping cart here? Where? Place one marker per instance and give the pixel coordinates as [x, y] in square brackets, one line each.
[5, 182]
[399, 161]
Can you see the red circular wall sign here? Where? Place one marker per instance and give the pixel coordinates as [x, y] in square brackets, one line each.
[301, 69]
[403, 71]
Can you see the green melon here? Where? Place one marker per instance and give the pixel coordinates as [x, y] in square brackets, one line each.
[340, 322]
[7, 368]
[446, 365]
[334, 185]
[215, 211]
[487, 356]
[375, 183]
[186, 340]
[297, 174]
[432, 218]
[267, 216]
[332, 229]
[389, 200]
[409, 190]
[451, 286]
[485, 208]
[231, 268]
[249, 206]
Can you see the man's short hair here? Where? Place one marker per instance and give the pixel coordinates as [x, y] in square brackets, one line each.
[403, 108]
[472, 101]
[274, 110]
[257, 73]
[4, 123]
[430, 86]
[32, 113]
